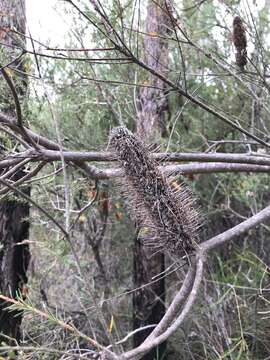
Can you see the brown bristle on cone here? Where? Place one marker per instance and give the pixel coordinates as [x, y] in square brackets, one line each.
[164, 212]
[240, 42]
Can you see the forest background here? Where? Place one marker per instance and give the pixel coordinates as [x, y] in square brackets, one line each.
[75, 281]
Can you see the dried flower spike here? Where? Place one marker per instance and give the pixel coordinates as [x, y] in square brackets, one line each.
[164, 212]
[240, 42]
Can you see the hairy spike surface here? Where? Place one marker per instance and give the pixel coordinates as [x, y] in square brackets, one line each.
[164, 212]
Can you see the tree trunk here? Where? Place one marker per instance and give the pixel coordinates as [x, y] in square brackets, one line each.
[153, 103]
[14, 214]
[149, 302]
[14, 261]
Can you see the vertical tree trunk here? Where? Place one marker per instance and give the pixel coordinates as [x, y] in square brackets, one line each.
[153, 103]
[149, 302]
[14, 224]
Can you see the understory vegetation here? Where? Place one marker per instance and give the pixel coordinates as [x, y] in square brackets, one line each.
[79, 296]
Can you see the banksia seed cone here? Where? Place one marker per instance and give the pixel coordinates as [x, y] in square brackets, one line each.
[240, 42]
[164, 214]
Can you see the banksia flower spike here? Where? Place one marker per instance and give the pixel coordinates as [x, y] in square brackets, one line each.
[240, 42]
[164, 213]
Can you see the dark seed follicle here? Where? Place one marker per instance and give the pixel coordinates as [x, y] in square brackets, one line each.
[164, 213]
[240, 42]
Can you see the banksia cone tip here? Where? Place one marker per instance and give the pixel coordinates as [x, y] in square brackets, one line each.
[240, 42]
[164, 213]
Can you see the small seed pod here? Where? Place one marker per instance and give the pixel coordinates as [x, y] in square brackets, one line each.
[164, 213]
[240, 42]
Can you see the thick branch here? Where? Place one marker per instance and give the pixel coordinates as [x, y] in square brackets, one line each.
[152, 342]
[237, 230]
[204, 248]
[185, 169]
[176, 305]
[203, 168]
[164, 157]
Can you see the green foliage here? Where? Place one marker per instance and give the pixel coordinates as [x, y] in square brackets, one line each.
[78, 102]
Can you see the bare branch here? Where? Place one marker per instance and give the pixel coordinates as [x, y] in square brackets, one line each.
[161, 333]
[28, 198]
[26, 177]
[245, 158]
[17, 106]
[150, 342]
[236, 231]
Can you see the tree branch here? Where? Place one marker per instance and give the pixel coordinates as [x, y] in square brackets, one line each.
[165, 329]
